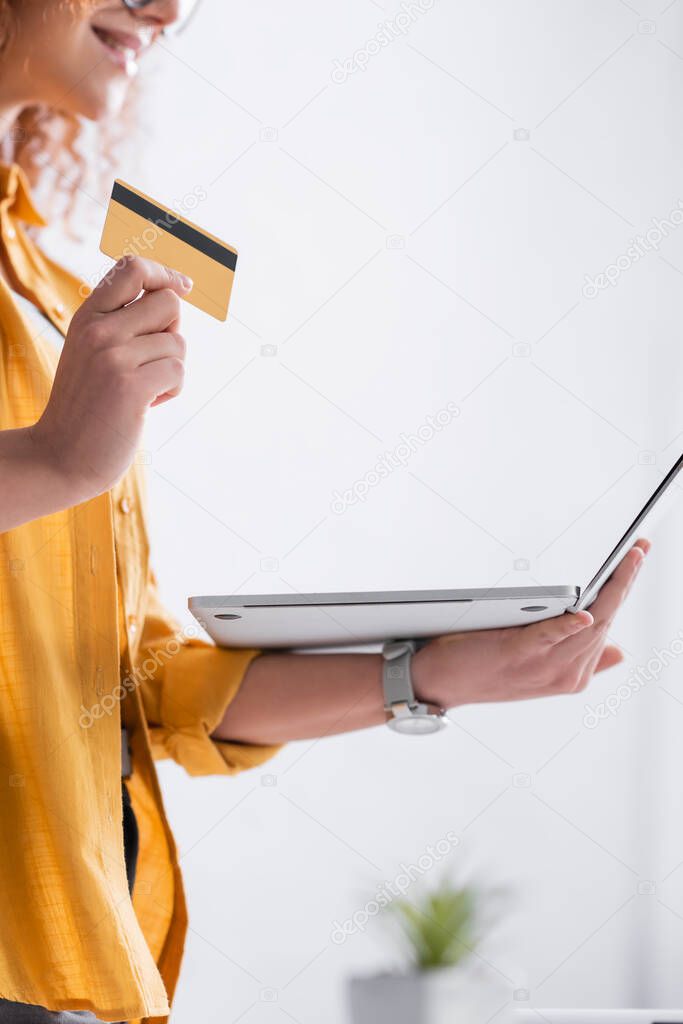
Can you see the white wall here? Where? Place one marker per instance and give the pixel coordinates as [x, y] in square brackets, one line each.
[481, 304]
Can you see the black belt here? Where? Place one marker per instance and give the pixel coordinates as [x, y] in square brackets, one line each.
[126, 765]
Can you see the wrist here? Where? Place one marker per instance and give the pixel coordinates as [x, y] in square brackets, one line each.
[432, 684]
[65, 487]
[408, 713]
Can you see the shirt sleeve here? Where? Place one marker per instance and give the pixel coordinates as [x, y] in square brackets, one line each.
[186, 687]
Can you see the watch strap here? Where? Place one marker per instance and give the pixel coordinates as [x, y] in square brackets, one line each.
[405, 713]
[398, 684]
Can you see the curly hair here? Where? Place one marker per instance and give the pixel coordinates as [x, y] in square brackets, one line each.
[42, 136]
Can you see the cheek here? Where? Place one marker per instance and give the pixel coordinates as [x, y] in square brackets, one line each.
[90, 81]
[94, 87]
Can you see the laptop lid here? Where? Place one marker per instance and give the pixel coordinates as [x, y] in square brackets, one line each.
[542, 1016]
[624, 543]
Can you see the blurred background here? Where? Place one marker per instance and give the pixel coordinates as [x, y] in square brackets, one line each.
[437, 205]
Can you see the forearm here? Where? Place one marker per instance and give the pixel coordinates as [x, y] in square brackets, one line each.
[30, 483]
[300, 696]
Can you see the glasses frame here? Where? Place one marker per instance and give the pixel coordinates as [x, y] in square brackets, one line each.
[139, 5]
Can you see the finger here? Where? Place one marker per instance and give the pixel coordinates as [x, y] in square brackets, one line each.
[607, 603]
[163, 377]
[610, 657]
[605, 658]
[553, 631]
[173, 393]
[151, 347]
[173, 328]
[152, 312]
[128, 277]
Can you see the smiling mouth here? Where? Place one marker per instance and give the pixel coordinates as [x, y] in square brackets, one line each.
[122, 49]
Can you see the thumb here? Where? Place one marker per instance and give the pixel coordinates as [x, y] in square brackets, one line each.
[130, 276]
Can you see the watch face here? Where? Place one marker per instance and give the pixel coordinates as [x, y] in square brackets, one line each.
[418, 724]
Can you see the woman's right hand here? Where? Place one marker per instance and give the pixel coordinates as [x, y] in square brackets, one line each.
[122, 355]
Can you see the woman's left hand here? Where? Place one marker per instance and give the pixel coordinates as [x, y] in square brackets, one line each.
[558, 655]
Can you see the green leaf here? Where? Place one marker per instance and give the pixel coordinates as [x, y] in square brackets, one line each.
[440, 928]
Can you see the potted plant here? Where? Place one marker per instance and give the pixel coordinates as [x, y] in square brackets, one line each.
[445, 982]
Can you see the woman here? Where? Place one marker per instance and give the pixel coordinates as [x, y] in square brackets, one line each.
[78, 605]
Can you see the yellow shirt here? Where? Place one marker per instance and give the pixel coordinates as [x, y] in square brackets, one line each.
[80, 652]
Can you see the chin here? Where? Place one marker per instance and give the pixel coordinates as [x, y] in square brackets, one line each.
[102, 103]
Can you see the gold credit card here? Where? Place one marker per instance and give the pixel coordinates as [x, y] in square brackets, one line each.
[139, 226]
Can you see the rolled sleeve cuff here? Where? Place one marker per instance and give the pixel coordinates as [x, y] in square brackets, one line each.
[199, 684]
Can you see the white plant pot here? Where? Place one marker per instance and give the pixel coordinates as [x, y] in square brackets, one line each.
[441, 996]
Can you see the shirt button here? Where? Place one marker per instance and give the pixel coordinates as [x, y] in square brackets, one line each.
[10, 233]
[132, 625]
[125, 505]
[58, 308]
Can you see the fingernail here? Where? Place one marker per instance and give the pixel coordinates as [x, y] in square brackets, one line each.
[186, 281]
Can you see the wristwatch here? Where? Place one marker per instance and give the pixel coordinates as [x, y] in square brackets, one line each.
[405, 714]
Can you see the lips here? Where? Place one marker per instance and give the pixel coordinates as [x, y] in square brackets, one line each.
[123, 48]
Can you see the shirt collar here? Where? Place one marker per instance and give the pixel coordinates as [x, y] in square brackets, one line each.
[15, 195]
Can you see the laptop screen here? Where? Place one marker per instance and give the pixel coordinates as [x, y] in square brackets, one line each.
[612, 560]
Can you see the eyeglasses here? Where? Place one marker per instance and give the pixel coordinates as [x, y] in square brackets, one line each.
[187, 9]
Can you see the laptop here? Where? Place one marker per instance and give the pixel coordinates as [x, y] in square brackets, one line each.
[532, 1016]
[295, 621]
